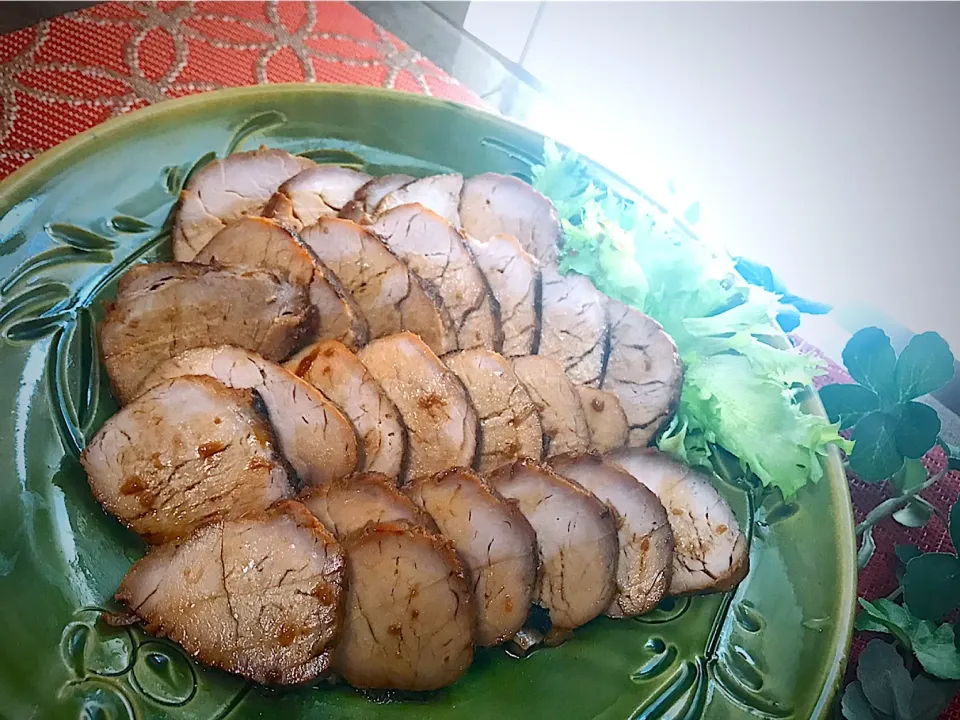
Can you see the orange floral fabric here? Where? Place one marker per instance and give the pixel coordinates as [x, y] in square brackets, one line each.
[67, 74]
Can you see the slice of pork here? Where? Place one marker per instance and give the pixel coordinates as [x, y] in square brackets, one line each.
[643, 370]
[514, 279]
[370, 195]
[259, 242]
[645, 565]
[439, 193]
[317, 192]
[261, 596]
[391, 296]
[564, 425]
[345, 506]
[576, 538]
[509, 423]
[240, 184]
[188, 452]
[493, 204]
[606, 420]
[441, 422]
[496, 543]
[436, 251]
[409, 614]
[711, 552]
[338, 373]
[163, 309]
[573, 325]
[314, 436]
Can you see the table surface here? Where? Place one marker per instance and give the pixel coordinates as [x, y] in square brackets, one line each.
[66, 74]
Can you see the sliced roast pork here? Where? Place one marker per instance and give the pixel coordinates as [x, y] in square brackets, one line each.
[606, 420]
[317, 192]
[435, 251]
[314, 436]
[338, 373]
[564, 425]
[645, 565]
[493, 204]
[576, 538]
[643, 370]
[345, 506]
[439, 193]
[496, 543]
[187, 452]
[573, 325]
[409, 614]
[240, 184]
[260, 596]
[509, 422]
[441, 423]
[370, 195]
[392, 298]
[259, 242]
[711, 552]
[163, 309]
[514, 279]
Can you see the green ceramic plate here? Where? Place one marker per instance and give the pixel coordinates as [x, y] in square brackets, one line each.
[74, 219]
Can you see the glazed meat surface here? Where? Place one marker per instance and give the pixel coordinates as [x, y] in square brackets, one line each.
[441, 422]
[339, 375]
[576, 538]
[496, 543]
[391, 296]
[261, 596]
[509, 423]
[259, 242]
[711, 552]
[645, 564]
[313, 435]
[164, 309]
[227, 189]
[409, 613]
[187, 452]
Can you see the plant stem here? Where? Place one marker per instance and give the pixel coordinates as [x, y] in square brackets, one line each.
[889, 507]
[895, 594]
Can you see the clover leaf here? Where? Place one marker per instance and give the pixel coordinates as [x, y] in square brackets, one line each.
[905, 553]
[888, 426]
[933, 646]
[871, 361]
[931, 582]
[854, 704]
[885, 681]
[885, 689]
[875, 454]
[926, 364]
[931, 585]
[917, 429]
[846, 403]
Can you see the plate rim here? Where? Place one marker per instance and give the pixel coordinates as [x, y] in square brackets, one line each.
[844, 520]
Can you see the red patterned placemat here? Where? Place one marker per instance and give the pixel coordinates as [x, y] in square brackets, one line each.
[65, 75]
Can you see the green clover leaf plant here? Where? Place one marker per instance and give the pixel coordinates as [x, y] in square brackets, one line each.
[917, 675]
[923, 687]
[891, 429]
[884, 688]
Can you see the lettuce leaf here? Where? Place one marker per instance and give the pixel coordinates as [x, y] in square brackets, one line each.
[740, 387]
